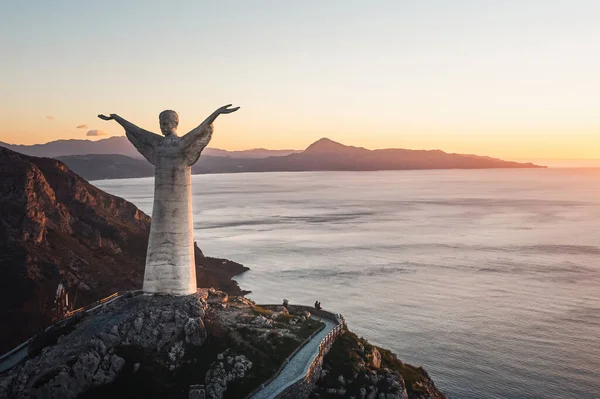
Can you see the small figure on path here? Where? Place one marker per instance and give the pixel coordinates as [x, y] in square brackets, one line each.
[170, 265]
[318, 305]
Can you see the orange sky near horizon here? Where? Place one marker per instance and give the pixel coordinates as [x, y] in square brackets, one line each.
[511, 79]
[235, 132]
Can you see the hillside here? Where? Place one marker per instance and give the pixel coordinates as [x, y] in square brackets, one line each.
[322, 155]
[56, 227]
[119, 145]
[326, 154]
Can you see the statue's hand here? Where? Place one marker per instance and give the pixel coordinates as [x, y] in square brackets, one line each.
[106, 118]
[226, 110]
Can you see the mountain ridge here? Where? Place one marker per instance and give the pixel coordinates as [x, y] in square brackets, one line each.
[119, 145]
[322, 155]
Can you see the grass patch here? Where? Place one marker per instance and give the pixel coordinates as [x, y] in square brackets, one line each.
[345, 355]
[267, 353]
[308, 327]
[284, 318]
[348, 356]
[414, 377]
[260, 311]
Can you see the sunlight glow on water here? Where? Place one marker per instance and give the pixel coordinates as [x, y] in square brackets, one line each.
[488, 279]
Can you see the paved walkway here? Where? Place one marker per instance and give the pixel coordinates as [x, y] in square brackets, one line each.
[13, 359]
[298, 365]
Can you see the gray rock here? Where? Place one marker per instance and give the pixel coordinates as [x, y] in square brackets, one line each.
[197, 393]
[195, 332]
[373, 378]
[175, 353]
[221, 373]
[262, 321]
[137, 324]
[108, 370]
[85, 358]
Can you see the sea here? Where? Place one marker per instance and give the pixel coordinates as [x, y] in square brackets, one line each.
[488, 279]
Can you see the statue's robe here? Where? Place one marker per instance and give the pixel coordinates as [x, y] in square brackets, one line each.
[170, 265]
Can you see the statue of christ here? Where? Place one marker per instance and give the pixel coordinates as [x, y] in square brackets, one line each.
[170, 265]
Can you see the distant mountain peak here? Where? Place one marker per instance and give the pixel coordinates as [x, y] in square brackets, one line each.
[325, 145]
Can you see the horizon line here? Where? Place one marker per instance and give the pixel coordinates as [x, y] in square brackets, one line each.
[515, 159]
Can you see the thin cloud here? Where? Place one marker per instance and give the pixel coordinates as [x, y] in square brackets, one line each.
[50, 118]
[96, 132]
[82, 127]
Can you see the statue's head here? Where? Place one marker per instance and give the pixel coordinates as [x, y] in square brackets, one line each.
[168, 122]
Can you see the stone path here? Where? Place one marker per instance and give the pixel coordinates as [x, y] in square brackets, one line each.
[13, 359]
[298, 365]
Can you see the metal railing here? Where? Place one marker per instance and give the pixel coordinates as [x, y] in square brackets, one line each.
[92, 305]
[324, 346]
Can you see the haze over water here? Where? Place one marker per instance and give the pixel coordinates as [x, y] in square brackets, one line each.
[488, 279]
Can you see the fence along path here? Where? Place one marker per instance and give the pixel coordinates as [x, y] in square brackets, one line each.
[298, 365]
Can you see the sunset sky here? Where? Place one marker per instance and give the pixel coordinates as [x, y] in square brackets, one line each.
[511, 78]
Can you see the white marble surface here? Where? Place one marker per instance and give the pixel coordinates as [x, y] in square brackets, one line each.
[170, 264]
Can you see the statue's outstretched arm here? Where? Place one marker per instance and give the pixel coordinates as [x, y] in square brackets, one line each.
[199, 137]
[143, 140]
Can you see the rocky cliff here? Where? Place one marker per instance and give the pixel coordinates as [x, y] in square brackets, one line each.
[355, 368]
[160, 346]
[148, 335]
[156, 346]
[57, 228]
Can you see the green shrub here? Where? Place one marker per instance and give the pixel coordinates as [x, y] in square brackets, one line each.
[284, 318]
[308, 327]
[260, 311]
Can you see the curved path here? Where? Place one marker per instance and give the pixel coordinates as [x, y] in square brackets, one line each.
[298, 366]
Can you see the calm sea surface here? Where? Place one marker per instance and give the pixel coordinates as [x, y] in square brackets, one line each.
[489, 279]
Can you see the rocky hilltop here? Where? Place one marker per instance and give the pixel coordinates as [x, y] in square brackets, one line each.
[158, 346]
[55, 228]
